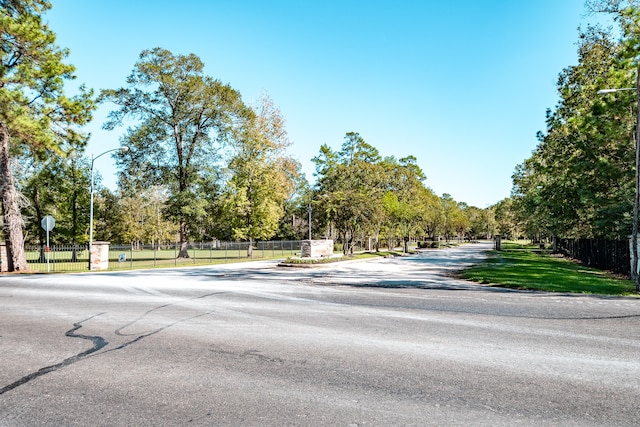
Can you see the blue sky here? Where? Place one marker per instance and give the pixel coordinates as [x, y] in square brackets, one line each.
[462, 85]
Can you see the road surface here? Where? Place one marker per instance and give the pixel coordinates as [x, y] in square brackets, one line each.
[385, 342]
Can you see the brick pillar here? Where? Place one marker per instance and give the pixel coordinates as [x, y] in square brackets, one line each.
[99, 256]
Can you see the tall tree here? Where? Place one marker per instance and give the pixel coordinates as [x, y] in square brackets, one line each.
[348, 187]
[361, 194]
[480, 222]
[404, 205]
[507, 224]
[37, 182]
[431, 215]
[75, 201]
[182, 116]
[35, 115]
[110, 216]
[143, 221]
[296, 223]
[456, 223]
[58, 187]
[262, 178]
[579, 181]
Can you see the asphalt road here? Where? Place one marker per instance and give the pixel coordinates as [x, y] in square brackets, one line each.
[378, 343]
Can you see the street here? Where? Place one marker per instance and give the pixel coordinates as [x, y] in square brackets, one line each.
[395, 341]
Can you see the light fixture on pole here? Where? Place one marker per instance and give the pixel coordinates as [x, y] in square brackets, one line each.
[636, 203]
[93, 159]
[603, 91]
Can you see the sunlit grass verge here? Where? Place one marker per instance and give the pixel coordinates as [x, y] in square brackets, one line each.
[524, 269]
[182, 262]
[147, 259]
[294, 261]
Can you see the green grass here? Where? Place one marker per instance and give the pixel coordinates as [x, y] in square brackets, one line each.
[60, 261]
[522, 268]
[519, 245]
[357, 256]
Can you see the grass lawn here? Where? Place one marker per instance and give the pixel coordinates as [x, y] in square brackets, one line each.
[522, 267]
[128, 259]
[356, 256]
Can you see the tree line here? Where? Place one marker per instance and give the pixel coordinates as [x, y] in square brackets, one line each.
[580, 180]
[359, 194]
[200, 163]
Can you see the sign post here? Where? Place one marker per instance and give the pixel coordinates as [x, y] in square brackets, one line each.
[47, 224]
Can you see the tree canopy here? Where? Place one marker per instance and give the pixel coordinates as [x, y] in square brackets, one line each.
[200, 164]
[36, 117]
[182, 117]
[579, 182]
[261, 177]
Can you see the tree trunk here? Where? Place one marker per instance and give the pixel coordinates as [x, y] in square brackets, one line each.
[184, 249]
[13, 223]
[250, 248]
[345, 243]
[41, 233]
[74, 252]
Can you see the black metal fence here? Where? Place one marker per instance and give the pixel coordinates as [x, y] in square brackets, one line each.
[603, 254]
[133, 256]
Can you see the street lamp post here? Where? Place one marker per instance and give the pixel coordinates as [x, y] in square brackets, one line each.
[309, 220]
[636, 203]
[93, 159]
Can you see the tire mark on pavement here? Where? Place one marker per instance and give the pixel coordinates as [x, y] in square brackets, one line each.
[148, 334]
[146, 313]
[98, 343]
